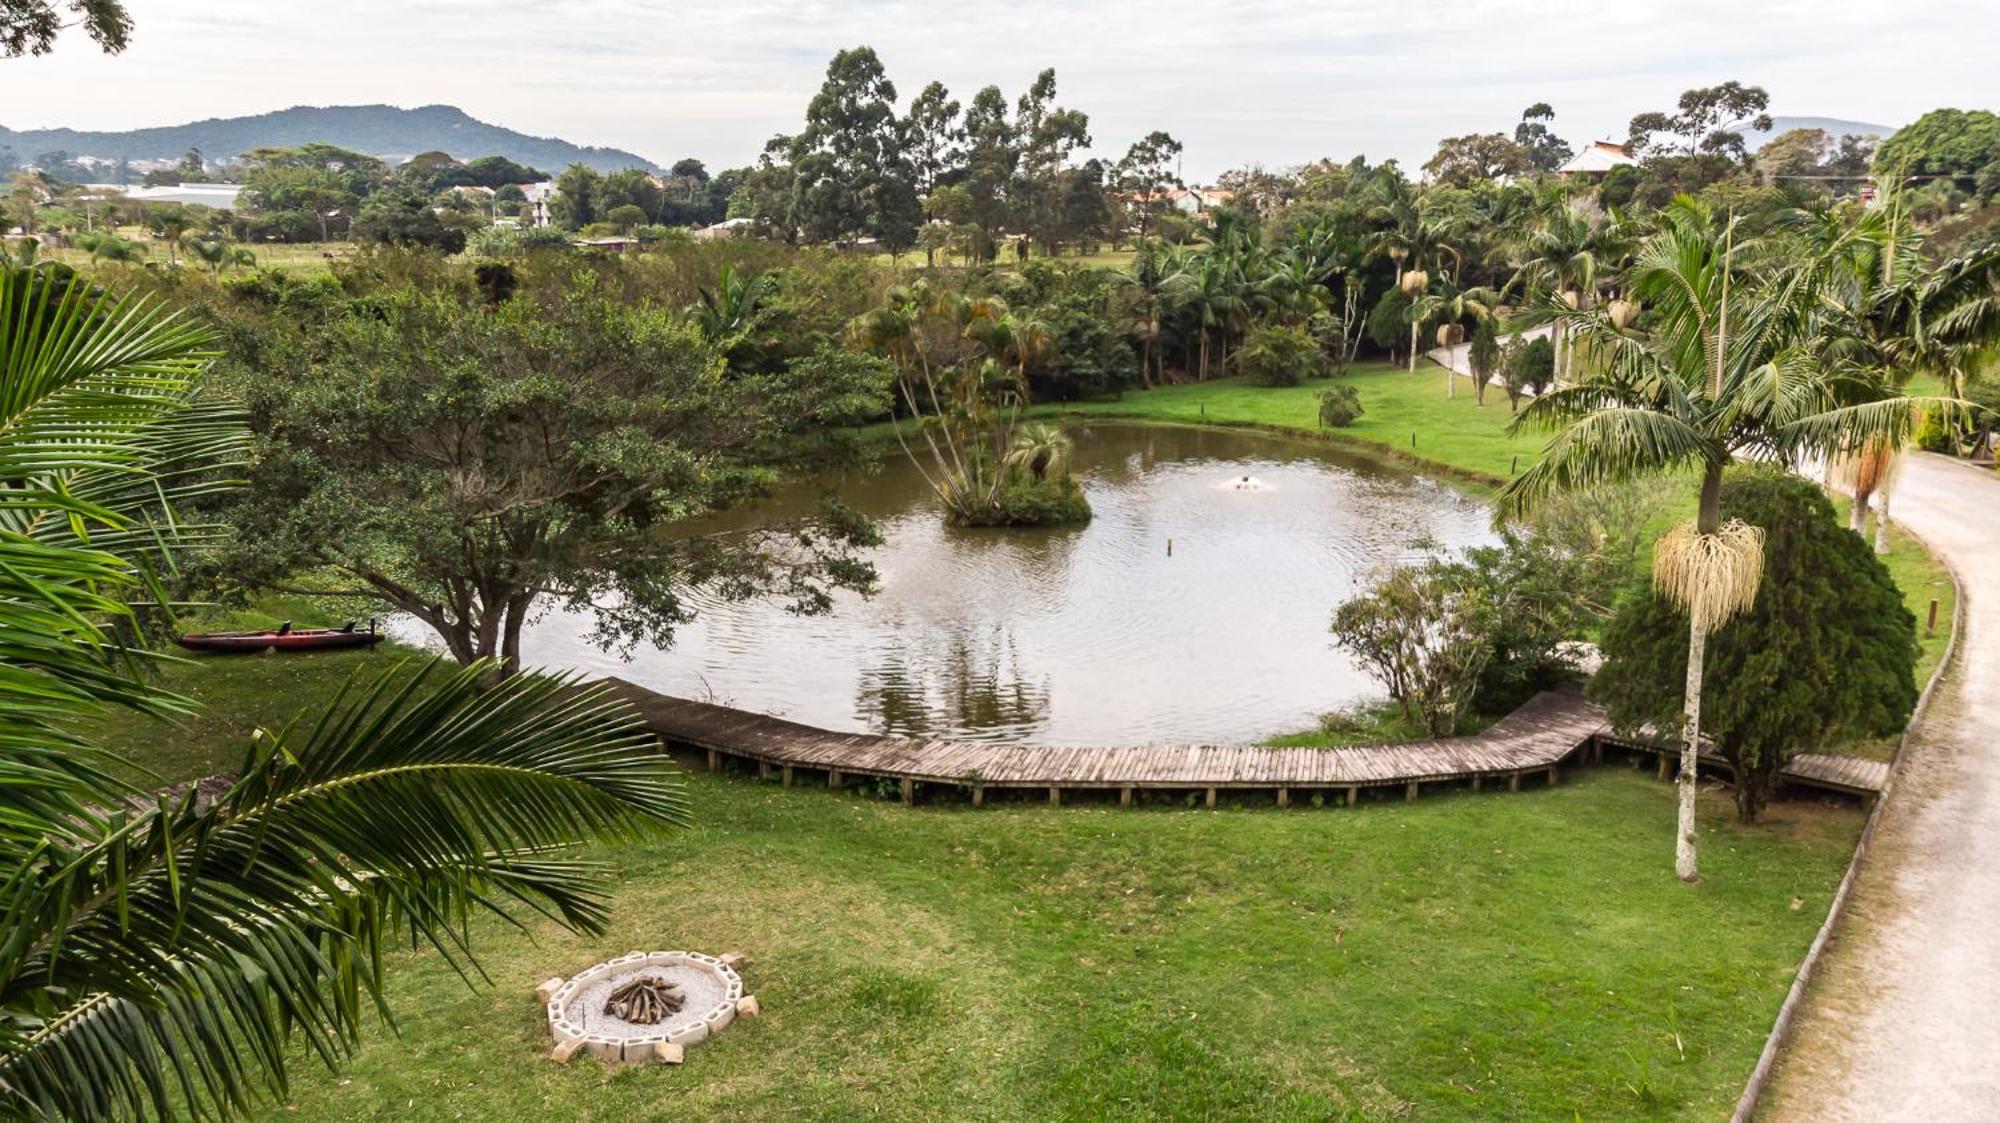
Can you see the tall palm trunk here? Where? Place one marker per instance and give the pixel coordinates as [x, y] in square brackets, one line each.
[1413, 344]
[1882, 525]
[1684, 828]
[1707, 522]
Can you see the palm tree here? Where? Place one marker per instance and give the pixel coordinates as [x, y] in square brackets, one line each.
[168, 953]
[1734, 368]
[1210, 291]
[1151, 282]
[1567, 254]
[217, 253]
[1042, 451]
[1417, 230]
[728, 314]
[1452, 306]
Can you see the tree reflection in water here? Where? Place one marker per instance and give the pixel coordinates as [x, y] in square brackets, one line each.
[963, 685]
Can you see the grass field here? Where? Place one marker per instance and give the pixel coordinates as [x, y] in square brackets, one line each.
[1463, 957]
[1454, 433]
[303, 257]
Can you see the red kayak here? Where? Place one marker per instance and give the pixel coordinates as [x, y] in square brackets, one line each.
[284, 638]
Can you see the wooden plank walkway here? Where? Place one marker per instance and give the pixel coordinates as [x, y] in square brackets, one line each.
[1535, 740]
[1832, 772]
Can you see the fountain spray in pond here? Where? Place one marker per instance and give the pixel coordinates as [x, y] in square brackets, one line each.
[1246, 483]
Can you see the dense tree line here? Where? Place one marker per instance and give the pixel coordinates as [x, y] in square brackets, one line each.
[974, 177]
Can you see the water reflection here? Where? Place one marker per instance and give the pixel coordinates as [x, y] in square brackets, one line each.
[962, 683]
[1082, 635]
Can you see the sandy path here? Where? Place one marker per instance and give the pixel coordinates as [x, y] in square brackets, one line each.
[1903, 1019]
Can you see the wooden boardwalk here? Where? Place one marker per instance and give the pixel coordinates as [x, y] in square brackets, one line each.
[1535, 741]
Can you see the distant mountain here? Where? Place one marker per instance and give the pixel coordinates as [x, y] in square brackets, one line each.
[1834, 127]
[379, 130]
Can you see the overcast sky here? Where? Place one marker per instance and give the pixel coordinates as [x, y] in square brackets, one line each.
[1238, 81]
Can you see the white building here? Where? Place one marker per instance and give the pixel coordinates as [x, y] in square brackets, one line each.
[539, 195]
[1596, 159]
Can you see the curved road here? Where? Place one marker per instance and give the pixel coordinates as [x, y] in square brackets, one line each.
[1902, 1018]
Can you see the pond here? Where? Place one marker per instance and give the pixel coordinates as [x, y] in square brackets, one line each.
[1087, 635]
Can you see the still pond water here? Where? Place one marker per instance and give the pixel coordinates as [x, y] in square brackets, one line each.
[1086, 635]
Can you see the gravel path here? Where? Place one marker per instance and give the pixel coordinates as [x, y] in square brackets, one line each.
[1902, 1020]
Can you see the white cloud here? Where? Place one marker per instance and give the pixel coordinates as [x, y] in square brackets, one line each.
[1238, 81]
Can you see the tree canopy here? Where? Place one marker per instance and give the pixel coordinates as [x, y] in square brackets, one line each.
[1825, 654]
[473, 464]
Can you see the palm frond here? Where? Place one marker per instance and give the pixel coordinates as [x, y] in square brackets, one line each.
[135, 961]
[1606, 446]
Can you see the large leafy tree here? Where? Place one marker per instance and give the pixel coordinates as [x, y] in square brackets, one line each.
[1048, 134]
[992, 153]
[1944, 142]
[470, 466]
[172, 953]
[1462, 161]
[1733, 367]
[1148, 171]
[850, 176]
[1825, 654]
[1703, 122]
[934, 149]
[1546, 151]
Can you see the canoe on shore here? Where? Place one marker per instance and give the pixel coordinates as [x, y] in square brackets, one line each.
[284, 638]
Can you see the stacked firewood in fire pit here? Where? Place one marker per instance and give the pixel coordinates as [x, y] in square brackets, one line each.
[645, 1001]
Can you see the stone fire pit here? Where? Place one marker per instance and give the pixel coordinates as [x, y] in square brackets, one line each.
[709, 987]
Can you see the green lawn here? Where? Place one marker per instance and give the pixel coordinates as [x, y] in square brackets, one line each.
[1462, 957]
[302, 257]
[1454, 433]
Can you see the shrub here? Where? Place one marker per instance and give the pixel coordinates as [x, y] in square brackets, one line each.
[1389, 321]
[1931, 434]
[1338, 407]
[1825, 655]
[1057, 501]
[1528, 366]
[1427, 635]
[407, 220]
[1482, 358]
[1618, 187]
[1280, 355]
[626, 217]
